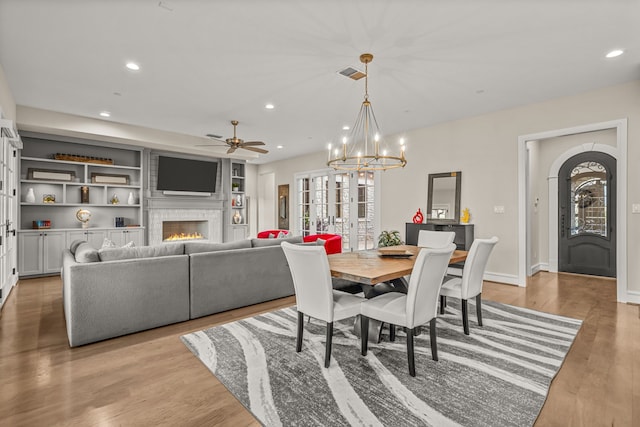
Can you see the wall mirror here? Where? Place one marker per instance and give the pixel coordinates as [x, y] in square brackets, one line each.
[443, 198]
[283, 207]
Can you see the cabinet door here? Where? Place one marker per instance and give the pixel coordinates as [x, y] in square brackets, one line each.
[30, 249]
[118, 237]
[135, 236]
[72, 236]
[53, 245]
[238, 233]
[96, 238]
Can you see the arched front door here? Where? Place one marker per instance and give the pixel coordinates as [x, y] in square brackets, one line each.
[587, 214]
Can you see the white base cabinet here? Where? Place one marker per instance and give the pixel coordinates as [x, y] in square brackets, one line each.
[94, 237]
[40, 252]
[122, 237]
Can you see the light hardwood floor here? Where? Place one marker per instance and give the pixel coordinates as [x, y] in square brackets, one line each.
[150, 378]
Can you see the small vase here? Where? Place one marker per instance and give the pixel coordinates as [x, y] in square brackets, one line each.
[131, 200]
[31, 197]
[237, 218]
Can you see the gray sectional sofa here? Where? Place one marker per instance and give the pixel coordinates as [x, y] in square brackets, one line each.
[118, 291]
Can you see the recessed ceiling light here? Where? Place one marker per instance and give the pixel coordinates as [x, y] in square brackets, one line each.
[105, 114]
[345, 127]
[279, 147]
[133, 66]
[269, 106]
[614, 53]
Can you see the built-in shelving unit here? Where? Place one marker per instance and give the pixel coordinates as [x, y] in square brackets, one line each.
[52, 191]
[237, 228]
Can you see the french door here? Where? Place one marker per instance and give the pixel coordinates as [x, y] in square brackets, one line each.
[343, 203]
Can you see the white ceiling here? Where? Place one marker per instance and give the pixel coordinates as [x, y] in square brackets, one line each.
[205, 62]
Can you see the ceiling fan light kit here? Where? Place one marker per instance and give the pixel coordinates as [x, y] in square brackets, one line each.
[364, 148]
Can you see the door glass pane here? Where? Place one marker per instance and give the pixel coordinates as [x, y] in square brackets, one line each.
[304, 206]
[342, 208]
[589, 199]
[366, 212]
[321, 193]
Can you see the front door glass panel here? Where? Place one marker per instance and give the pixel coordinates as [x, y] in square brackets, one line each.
[589, 199]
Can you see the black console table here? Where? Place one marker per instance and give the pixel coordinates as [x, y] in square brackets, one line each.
[463, 239]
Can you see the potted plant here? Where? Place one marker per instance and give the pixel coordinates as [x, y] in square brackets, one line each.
[235, 186]
[389, 238]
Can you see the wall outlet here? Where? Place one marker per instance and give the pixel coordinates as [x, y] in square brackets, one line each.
[498, 209]
[635, 208]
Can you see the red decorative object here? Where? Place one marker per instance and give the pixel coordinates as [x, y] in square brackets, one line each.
[418, 217]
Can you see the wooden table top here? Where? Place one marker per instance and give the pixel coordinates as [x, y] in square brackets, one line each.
[369, 267]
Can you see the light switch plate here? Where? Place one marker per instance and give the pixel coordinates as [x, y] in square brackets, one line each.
[635, 208]
[498, 209]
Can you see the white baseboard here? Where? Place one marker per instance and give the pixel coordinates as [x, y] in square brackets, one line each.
[541, 266]
[509, 279]
[6, 291]
[633, 297]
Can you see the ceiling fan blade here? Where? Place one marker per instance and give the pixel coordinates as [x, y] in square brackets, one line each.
[257, 150]
[231, 150]
[253, 143]
[211, 145]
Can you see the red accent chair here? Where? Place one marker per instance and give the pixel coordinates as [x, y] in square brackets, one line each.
[333, 242]
[273, 233]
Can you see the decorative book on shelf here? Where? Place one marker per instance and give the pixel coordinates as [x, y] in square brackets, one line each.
[84, 159]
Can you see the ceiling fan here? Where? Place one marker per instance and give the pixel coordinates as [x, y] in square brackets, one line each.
[235, 142]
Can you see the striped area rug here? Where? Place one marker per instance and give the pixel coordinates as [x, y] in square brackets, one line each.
[497, 376]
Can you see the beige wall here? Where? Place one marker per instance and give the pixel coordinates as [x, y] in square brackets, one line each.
[485, 149]
[7, 104]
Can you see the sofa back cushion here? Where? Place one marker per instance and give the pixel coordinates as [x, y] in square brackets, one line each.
[199, 247]
[259, 243]
[86, 253]
[74, 245]
[165, 249]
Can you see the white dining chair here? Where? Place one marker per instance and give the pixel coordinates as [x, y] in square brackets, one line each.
[315, 296]
[417, 307]
[470, 284]
[435, 239]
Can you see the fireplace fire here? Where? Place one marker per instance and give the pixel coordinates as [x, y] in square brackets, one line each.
[184, 230]
[184, 236]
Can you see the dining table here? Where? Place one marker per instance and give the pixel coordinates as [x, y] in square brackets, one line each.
[382, 265]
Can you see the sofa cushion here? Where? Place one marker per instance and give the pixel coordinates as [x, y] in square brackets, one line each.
[258, 243]
[199, 247]
[166, 249]
[86, 253]
[74, 245]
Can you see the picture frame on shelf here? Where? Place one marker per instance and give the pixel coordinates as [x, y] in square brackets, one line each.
[102, 178]
[50, 174]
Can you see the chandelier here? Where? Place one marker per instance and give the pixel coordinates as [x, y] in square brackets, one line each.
[364, 148]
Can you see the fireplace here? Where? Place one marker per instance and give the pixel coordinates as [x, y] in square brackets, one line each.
[184, 230]
[185, 224]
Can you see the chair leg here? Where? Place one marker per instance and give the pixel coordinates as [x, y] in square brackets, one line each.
[392, 332]
[465, 317]
[443, 303]
[300, 330]
[479, 308]
[327, 354]
[364, 334]
[432, 337]
[410, 358]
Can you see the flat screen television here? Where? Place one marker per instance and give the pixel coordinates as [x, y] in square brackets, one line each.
[176, 174]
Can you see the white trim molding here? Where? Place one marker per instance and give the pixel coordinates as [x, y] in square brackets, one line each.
[620, 153]
[508, 279]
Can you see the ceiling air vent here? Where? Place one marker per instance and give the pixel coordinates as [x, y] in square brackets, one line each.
[352, 73]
